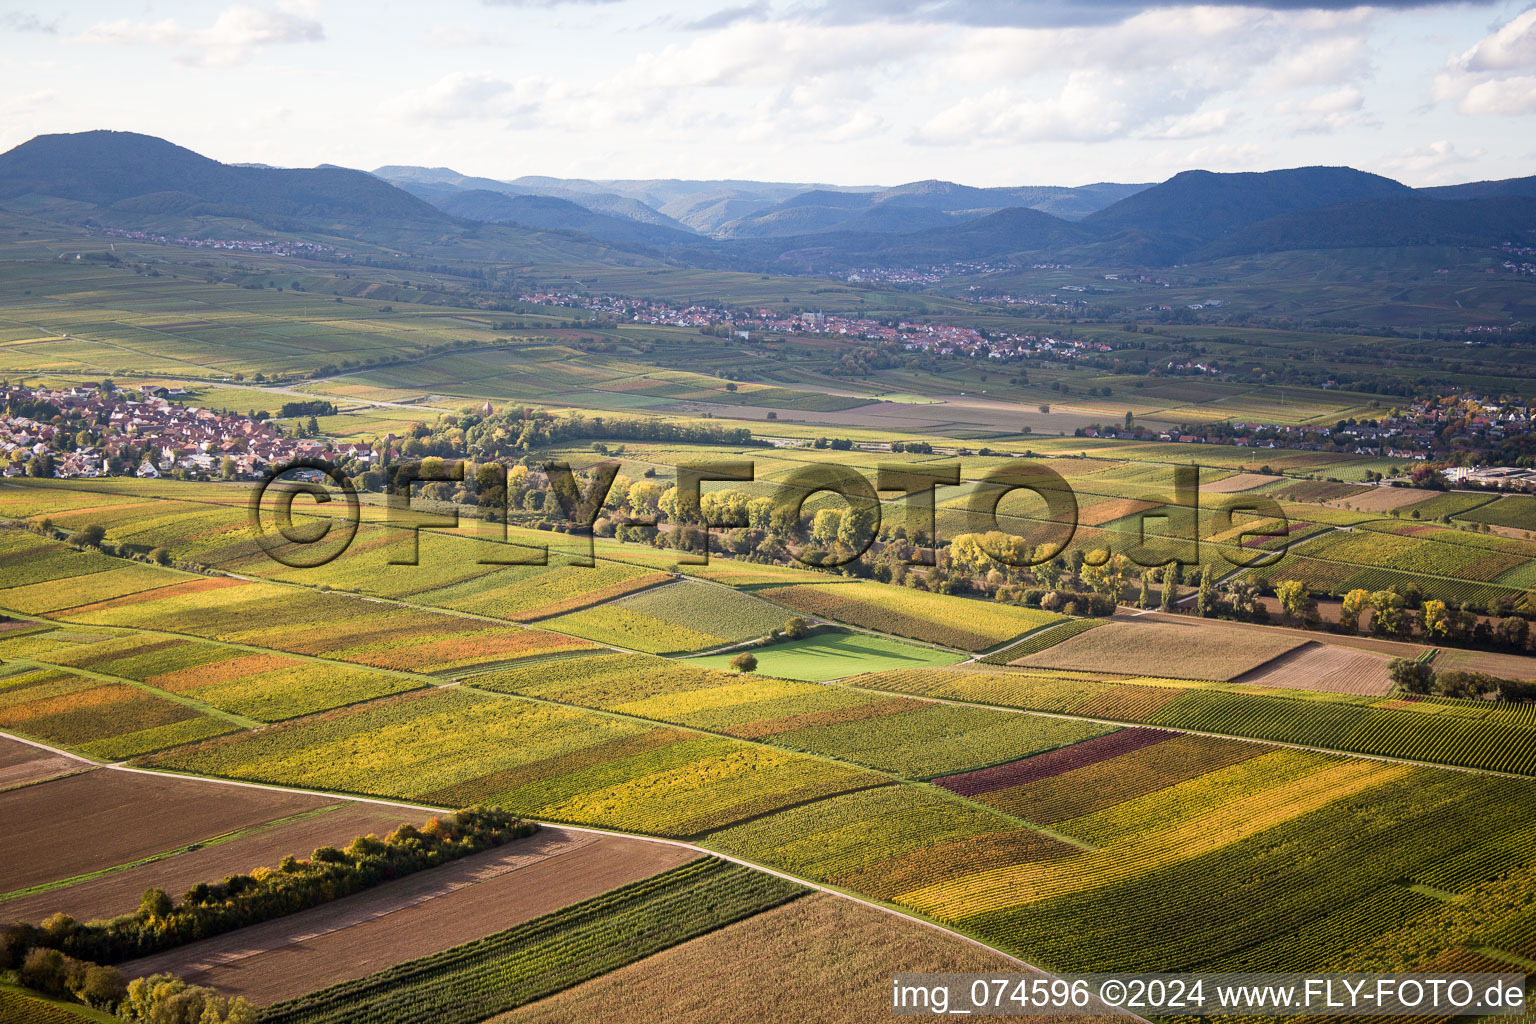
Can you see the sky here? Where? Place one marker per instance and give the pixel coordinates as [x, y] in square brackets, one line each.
[984, 92]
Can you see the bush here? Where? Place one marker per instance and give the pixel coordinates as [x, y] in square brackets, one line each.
[90, 535]
[166, 999]
[1412, 676]
[744, 662]
[797, 628]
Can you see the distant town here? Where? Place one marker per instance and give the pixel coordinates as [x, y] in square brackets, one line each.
[94, 431]
[937, 339]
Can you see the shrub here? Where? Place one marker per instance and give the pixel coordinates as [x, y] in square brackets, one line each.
[744, 662]
[1412, 676]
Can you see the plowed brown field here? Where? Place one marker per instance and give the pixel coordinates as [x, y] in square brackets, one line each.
[421, 914]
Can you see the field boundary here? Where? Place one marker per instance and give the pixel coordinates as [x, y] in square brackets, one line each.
[683, 844]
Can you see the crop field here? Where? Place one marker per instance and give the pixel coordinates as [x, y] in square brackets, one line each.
[1039, 640]
[467, 984]
[937, 739]
[117, 890]
[685, 616]
[1149, 811]
[22, 764]
[820, 958]
[1515, 512]
[507, 594]
[421, 915]
[1315, 666]
[1140, 765]
[262, 686]
[283, 618]
[106, 828]
[835, 654]
[1258, 865]
[1194, 650]
[915, 739]
[459, 747]
[99, 719]
[883, 842]
[1456, 733]
[935, 618]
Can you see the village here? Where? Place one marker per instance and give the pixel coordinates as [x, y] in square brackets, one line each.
[936, 339]
[99, 430]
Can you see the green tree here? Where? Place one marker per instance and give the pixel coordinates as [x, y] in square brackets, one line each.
[1513, 632]
[155, 904]
[1411, 676]
[90, 536]
[1435, 619]
[228, 467]
[1144, 599]
[824, 527]
[1391, 618]
[1205, 599]
[1170, 588]
[1352, 607]
[744, 662]
[797, 628]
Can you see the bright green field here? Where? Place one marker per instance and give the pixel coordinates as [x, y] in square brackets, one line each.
[826, 656]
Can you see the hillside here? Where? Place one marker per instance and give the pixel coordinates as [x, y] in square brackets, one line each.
[1388, 223]
[105, 168]
[1195, 208]
[550, 213]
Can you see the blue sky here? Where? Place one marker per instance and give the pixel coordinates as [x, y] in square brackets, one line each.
[986, 92]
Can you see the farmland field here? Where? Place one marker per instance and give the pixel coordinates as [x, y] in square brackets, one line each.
[1188, 650]
[685, 616]
[104, 830]
[950, 621]
[469, 983]
[819, 959]
[1138, 791]
[1314, 666]
[835, 654]
[1461, 733]
[177, 869]
[22, 764]
[460, 747]
[423, 914]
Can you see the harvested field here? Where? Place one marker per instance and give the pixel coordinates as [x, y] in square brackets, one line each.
[1190, 649]
[1315, 666]
[1391, 648]
[818, 960]
[415, 916]
[22, 763]
[1506, 666]
[1239, 482]
[1383, 499]
[109, 821]
[119, 892]
[1054, 762]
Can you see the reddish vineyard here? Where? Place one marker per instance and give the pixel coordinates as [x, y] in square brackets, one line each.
[1053, 763]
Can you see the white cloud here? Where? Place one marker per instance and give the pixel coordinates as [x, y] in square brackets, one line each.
[1512, 47]
[238, 30]
[1486, 78]
[26, 103]
[1196, 125]
[1437, 163]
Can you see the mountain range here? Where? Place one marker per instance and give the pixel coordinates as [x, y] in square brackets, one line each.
[130, 180]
